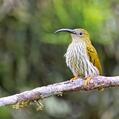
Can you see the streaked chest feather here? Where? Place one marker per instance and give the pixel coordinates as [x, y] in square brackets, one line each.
[78, 61]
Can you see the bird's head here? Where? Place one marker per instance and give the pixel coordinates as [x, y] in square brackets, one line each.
[77, 35]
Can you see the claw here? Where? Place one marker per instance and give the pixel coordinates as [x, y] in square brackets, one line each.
[87, 80]
[74, 78]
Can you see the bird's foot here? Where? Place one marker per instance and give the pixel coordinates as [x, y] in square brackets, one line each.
[74, 78]
[87, 80]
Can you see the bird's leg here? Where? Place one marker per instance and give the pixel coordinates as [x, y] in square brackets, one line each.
[87, 80]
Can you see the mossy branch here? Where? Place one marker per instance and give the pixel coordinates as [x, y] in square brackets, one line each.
[58, 88]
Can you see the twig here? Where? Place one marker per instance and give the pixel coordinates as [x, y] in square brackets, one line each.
[57, 88]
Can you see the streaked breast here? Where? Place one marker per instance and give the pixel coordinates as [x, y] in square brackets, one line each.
[77, 60]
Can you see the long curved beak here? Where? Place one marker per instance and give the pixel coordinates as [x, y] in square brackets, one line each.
[66, 30]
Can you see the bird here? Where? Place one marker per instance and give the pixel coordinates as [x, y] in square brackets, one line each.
[81, 56]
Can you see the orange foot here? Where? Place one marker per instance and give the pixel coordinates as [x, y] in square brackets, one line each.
[74, 78]
[87, 80]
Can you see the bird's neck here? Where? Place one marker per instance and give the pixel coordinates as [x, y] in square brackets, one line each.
[85, 40]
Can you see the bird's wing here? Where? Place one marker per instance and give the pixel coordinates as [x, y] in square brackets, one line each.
[93, 57]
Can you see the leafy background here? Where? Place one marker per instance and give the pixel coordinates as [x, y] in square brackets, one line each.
[31, 55]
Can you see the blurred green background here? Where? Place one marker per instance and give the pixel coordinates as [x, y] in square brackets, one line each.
[31, 55]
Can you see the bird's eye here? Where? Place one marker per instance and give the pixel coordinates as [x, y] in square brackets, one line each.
[80, 33]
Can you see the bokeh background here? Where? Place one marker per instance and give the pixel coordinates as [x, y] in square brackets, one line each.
[31, 55]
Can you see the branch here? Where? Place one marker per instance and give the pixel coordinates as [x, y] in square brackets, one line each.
[58, 88]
